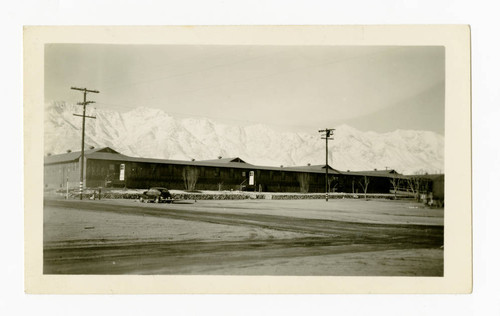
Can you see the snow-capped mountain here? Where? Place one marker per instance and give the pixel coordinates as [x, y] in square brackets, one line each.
[152, 133]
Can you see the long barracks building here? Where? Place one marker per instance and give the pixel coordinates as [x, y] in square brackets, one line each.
[105, 167]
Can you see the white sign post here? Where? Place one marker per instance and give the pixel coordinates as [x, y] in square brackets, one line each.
[122, 172]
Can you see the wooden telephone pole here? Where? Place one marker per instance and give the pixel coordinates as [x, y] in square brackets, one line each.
[82, 157]
[327, 134]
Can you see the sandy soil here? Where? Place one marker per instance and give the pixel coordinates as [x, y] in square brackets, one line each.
[413, 262]
[64, 226]
[246, 237]
[371, 211]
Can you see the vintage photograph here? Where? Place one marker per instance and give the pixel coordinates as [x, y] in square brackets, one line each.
[244, 160]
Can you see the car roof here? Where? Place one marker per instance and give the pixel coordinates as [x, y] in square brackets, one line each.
[158, 188]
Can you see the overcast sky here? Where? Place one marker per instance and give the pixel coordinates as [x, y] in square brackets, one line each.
[295, 88]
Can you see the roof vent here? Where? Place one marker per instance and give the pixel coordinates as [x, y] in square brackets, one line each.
[68, 151]
[308, 164]
[375, 169]
[281, 166]
[192, 159]
[49, 154]
[220, 157]
[92, 147]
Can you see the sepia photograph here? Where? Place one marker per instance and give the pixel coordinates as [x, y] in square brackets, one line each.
[209, 159]
[244, 160]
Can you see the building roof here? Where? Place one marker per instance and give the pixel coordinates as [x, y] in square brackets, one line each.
[313, 168]
[375, 173]
[75, 155]
[241, 165]
[107, 153]
[225, 160]
[427, 176]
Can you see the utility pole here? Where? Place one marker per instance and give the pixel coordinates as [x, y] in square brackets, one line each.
[327, 134]
[82, 157]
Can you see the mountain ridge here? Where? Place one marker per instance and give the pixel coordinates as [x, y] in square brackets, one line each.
[166, 137]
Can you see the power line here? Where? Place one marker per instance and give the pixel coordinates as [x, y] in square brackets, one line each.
[82, 157]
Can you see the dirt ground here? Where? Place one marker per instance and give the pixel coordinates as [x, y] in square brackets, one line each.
[243, 237]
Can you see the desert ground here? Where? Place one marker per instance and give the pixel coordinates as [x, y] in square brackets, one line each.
[341, 237]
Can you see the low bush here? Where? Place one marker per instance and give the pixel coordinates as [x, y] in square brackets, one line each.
[198, 195]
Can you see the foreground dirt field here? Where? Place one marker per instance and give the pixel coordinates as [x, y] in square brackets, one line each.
[248, 237]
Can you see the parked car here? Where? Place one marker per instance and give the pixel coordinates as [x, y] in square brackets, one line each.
[156, 195]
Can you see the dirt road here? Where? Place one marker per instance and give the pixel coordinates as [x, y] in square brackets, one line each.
[241, 238]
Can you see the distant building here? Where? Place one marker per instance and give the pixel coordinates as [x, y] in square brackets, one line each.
[105, 167]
